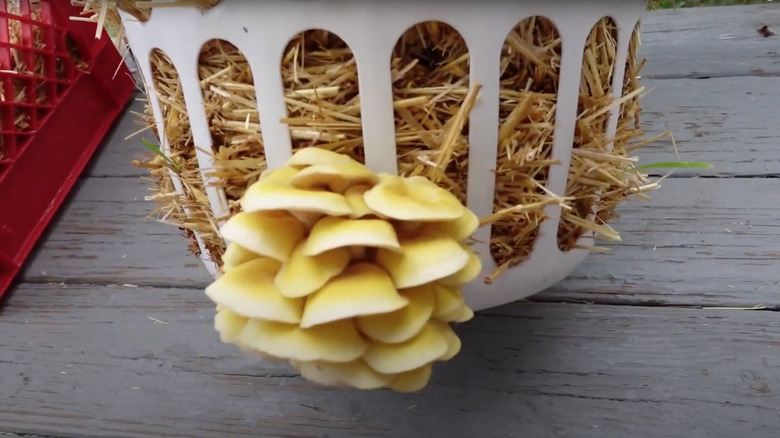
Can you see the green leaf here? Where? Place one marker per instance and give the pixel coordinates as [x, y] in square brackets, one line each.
[676, 164]
[156, 149]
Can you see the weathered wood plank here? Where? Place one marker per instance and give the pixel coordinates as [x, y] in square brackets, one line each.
[89, 361]
[730, 123]
[669, 250]
[115, 154]
[711, 42]
[106, 235]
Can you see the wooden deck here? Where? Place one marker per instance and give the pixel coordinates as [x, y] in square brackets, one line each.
[109, 333]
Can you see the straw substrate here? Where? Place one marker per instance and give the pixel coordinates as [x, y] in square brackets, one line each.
[433, 97]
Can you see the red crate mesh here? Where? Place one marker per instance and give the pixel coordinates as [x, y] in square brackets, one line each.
[38, 62]
[61, 90]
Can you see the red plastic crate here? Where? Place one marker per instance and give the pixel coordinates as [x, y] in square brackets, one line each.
[67, 105]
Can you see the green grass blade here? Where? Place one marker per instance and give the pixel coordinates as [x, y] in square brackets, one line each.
[156, 149]
[675, 165]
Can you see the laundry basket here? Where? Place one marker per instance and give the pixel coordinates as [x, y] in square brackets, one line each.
[62, 90]
[594, 112]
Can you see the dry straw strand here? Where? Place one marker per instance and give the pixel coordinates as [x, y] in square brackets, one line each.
[432, 99]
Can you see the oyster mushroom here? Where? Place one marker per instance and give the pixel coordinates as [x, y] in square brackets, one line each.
[248, 290]
[229, 325]
[404, 323]
[467, 274]
[422, 259]
[280, 175]
[338, 341]
[362, 289]
[427, 346]
[270, 234]
[412, 199]
[461, 314]
[333, 177]
[459, 229]
[279, 196]
[335, 232]
[235, 255]
[413, 380]
[356, 374]
[354, 197]
[314, 373]
[453, 341]
[311, 156]
[303, 274]
[449, 300]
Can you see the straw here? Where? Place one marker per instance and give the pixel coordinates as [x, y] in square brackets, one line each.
[432, 100]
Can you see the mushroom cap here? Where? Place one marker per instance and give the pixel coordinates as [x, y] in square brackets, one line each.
[271, 234]
[265, 196]
[356, 374]
[313, 372]
[335, 232]
[229, 325]
[413, 380]
[235, 255]
[449, 300]
[334, 177]
[467, 274]
[354, 196]
[304, 274]
[338, 341]
[466, 313]
[427, 346]
[313, 155]
[404, 323]
[362, 289]
[413, 198]
[453, 342]
[279, 175]
[460, 228]
[422, 259]
[461, 314]
[249, 291]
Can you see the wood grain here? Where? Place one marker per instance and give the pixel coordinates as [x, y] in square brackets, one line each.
[90, 361]
[711, 42]
[115, 155]
[726, 122]
[698, 242]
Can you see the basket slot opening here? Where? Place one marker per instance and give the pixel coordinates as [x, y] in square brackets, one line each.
[231, 112]
[624, 124]
[591, 168]
[530, 70]
[430, 77]
[184, 204]
[319, 74]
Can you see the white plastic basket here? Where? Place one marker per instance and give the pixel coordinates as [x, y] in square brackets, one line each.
[262, 29]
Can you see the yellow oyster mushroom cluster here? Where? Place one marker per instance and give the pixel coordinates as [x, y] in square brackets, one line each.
[353, 277]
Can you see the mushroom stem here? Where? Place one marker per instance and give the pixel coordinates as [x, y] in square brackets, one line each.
[358, 252]
[307, 218]
[407, 228]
